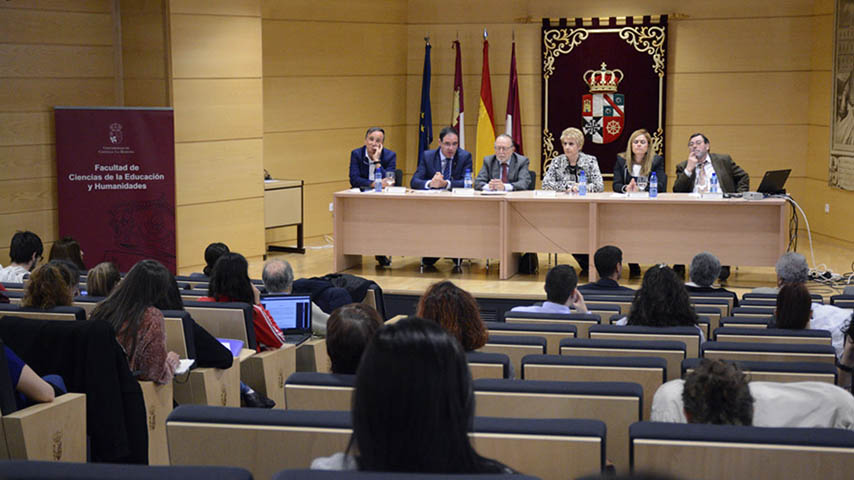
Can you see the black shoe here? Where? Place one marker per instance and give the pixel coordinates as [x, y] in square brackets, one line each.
[634, 270]
[256, 400]
[383, 261]
[724, 273]
[680, 270]
[429, 261]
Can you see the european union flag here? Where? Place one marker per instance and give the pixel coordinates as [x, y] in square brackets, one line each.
[425, 117]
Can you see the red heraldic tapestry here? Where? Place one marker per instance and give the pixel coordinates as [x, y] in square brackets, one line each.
[115, 170]
[605, 77]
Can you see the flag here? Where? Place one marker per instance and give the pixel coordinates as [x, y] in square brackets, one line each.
[485, 143]
[514, 114]
[425, 118]
[457, 116]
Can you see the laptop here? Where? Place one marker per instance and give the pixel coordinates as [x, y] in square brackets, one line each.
[292, 313]
[773, 181]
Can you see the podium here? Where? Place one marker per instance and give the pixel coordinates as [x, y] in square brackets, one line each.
[283, 207]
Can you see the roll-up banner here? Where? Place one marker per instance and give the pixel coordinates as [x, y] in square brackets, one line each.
[115, 171]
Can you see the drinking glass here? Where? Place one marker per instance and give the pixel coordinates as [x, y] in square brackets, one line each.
[642, 183]
[389, 177]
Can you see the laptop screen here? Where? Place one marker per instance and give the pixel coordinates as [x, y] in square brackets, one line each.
[291, 312]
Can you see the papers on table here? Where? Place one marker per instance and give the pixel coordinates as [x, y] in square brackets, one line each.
[184, 366]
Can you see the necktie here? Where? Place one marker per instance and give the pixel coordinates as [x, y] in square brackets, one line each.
[504, 169]
[701, 177]
[446, 169]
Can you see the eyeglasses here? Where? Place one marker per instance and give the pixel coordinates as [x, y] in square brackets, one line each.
[502, 149]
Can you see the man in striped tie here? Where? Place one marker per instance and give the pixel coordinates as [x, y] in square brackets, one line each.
[504, 171]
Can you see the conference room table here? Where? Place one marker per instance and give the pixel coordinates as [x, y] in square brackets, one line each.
[671, 228]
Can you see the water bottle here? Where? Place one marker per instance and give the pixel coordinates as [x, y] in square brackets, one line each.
[582, 183]
[713, 183]
[467, 179]
[653, 185]
[378, 180]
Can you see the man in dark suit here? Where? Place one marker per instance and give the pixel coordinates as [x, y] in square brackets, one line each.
[444, 167]
[504, 171]
[609, 265]
[365, 160]
[694, 175]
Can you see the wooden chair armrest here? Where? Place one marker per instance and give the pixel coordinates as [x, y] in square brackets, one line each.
[267, 371]
[49, 431]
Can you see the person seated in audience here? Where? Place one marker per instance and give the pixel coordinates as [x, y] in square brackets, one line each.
[25, 251]
[350, 329]
[29, 386]
[662, 301]
[102, 279]
[230, 283]
[561, 294]
[846, 361]
[48, 287]
[791, 267]
[609, 264]
[716, 388]
[795, 311]
[455, 310]
[138, 323]
[413, 406]
[278, 277]
[212, 254]
[705, 269]
[68, 249]
[717, 393]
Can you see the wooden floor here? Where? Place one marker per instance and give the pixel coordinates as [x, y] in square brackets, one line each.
[404, 272]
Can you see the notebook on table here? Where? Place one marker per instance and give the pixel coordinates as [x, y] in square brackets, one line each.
[292, 313]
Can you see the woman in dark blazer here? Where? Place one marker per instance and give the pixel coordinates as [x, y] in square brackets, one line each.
[643, 162]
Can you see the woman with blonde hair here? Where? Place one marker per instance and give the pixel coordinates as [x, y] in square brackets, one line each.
[564, 171]
[101, 279]
[639, 161]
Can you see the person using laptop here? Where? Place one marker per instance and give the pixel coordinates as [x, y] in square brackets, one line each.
[230, 283]
[278, 277]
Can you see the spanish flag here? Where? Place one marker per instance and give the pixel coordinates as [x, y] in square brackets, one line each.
[485, 144]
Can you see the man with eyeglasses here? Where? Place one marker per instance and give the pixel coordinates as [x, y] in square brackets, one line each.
[694, 174]
[504, 171]
[442, 168]
[25, 251]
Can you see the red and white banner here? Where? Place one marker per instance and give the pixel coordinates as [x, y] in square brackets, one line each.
[115, 171]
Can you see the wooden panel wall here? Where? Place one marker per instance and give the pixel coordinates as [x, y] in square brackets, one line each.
[57, 52]
[145, 63]
[216, 86]
[331, 70]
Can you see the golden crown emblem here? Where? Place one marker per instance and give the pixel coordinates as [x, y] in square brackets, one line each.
[603, 80]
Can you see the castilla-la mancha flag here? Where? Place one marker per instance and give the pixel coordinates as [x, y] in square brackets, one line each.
[485, 144]
[514, 113]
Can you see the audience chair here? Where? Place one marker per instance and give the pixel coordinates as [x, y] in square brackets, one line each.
[54, 431]
[649, 372]
[319, 391]
[374, 298]
[772, 335]
[618, 404]
[266, 441]
[758, 303]
[689, 335]
[18, 470]
[816, 298]
[488, 365]
[14, 297]
[553, 333]
[515, 347]
[193, 295]
[87, 303]
[768, 352]
[624, 301]
[842, 301]
[777, 371]
[672, 351]
[13, 286]
[702, 321]
[753, 312]
[603, 310]
[158, 405]
[55, 313]
[356, 475]
[712, 299]
[712, 314]
[729, 451]
[579, 321]
[744, 322]
[225, 320]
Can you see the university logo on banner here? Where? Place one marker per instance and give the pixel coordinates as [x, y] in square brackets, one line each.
[603, 110]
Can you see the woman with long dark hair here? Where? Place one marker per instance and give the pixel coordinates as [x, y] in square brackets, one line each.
[138, 323]
[455, 310]
[662, 301]
[68, 249]
[413, 406]
[212, 254]
[230, 283]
